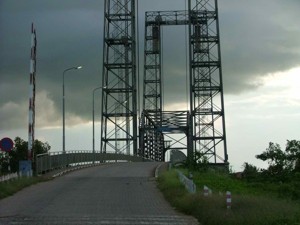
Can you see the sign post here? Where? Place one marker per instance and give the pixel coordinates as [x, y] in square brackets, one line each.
[6, 145]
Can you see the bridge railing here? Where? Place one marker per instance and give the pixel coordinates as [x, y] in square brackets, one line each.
[58, 160]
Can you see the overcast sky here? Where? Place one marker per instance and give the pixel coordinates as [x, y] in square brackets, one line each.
[260, 56]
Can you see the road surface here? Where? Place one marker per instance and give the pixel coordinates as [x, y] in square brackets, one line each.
[121, 193]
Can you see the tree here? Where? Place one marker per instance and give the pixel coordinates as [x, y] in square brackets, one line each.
[250, 171]
[200, 161]
[20, 152]
[277, 159]
[283, 165]
[293, 154]
[40, 147]
[4, 163]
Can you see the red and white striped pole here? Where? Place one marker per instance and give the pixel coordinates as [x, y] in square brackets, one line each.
[228, 199]
[31, 120]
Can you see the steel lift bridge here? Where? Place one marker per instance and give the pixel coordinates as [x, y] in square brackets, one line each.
[203, 125]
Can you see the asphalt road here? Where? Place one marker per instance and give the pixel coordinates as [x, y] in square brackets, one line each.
[122, 193]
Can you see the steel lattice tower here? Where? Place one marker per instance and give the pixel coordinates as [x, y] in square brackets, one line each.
[151, 139]
[119, 93]
[204, 124]
[206, 84]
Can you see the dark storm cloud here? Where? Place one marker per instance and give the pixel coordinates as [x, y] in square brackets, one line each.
[69, 33]
[257, 38]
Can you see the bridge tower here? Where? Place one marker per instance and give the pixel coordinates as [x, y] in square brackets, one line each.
[119, 93]
[206, 83]
[204, 123]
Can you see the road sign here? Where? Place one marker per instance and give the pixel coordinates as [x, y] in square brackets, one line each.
[6, 144]
[25, 168]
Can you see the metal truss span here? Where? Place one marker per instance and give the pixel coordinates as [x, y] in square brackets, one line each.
[119, 92]
[152, 131]
[206, 121]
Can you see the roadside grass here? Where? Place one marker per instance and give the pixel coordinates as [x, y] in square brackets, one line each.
[250, 205]
[222, 182]
[9, 188]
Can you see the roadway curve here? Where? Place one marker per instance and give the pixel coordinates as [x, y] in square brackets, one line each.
[122, 193]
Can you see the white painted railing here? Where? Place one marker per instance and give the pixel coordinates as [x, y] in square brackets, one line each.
[8, 177]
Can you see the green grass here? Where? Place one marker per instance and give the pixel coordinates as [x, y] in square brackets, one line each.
[250, 204]
[9, 188]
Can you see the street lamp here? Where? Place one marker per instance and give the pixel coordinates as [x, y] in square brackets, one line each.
[94, 117]
[63, 86]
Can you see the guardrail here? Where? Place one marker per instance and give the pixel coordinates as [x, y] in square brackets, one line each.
[188, 183]
[57, 160]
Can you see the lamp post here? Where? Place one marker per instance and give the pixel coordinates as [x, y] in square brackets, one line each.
[94, 118]
[63, 87]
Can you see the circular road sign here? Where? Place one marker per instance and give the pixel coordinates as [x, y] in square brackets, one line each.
[6, 144]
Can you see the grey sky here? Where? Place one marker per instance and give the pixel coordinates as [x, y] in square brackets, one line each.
[257, 38]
